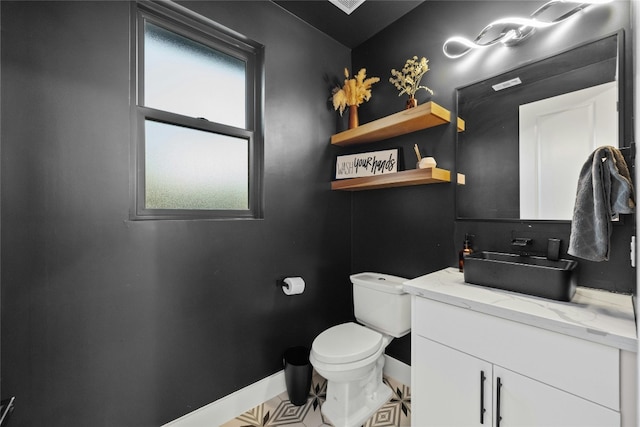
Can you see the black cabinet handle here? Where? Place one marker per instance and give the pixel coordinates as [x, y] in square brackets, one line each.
[482, 410]
[498, 416]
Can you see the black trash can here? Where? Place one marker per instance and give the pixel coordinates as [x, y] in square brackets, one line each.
[297, 374]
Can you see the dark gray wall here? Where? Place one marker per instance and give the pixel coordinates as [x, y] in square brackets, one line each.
[108, 322]
[412, 231]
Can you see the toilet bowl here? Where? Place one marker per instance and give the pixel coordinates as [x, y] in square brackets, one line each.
[350, 356]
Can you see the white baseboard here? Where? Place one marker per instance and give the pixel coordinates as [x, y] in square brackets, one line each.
[397, 370]
[234, 404]
[239, 402]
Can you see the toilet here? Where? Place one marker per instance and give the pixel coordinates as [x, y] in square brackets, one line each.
[350, 356]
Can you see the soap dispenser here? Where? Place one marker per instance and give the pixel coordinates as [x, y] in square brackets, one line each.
[466, 250]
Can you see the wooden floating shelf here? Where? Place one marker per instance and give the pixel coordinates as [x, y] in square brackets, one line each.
[421, 117]
[461, 125]
[398, 179]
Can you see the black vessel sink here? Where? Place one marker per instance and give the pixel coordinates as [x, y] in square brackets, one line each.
[531, 275]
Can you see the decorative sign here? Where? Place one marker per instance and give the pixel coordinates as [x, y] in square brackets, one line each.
[367, 164]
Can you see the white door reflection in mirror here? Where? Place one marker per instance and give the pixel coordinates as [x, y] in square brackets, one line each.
[557, 135]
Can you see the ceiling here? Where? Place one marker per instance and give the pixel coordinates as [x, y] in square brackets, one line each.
[350, 30]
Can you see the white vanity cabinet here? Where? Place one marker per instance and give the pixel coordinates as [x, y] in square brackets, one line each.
[449, 388]
[524, 401]
[456, 389]
[479, 362]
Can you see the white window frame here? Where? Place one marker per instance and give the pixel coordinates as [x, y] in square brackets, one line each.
[184, 22]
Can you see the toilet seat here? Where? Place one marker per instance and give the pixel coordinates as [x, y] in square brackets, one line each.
[346, 343]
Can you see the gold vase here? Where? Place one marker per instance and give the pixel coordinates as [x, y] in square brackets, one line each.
[353, 116]
[412, 102]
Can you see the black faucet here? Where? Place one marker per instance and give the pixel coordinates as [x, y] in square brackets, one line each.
[522, 245]
[521, 242]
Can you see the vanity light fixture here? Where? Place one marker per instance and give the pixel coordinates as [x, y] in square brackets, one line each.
[511, 31]
[509, 83]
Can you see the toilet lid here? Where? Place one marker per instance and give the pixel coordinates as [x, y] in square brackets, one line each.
[346, 343]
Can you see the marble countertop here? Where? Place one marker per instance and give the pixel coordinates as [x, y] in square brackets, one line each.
[594, 315]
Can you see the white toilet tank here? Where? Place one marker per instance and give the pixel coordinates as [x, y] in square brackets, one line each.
[380, 303]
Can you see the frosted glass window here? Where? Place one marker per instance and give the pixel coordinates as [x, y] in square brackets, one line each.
[189, 68]
[186, 77]
[192, 169]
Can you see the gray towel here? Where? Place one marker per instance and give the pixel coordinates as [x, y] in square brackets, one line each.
[604, 190]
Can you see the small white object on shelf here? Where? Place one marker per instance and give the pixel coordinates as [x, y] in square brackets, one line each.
[426, 163]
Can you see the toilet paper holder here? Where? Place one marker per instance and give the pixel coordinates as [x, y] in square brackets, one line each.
[292, 285]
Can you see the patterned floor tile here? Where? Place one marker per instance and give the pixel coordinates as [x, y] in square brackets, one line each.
[315, 418]
[289, 414]
[402, 398]
[280, 412]
[387, 416]
[253, 417]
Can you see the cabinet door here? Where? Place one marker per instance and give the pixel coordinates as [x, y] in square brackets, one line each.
[522, 401]
[449, 388]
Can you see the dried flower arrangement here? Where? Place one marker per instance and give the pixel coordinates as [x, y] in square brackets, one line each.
[408, 80]
[355, 91]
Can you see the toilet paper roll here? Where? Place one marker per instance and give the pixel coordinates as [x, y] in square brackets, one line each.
[293, 286]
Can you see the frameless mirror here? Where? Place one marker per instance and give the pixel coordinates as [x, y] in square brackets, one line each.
[530, 130]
